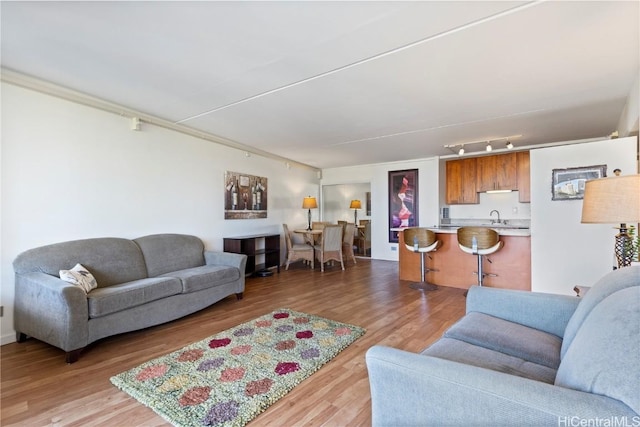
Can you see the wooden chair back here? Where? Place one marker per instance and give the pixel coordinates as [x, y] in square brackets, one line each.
[425, 237]
[486, 237]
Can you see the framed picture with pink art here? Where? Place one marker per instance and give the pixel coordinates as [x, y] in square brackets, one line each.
[403, 201]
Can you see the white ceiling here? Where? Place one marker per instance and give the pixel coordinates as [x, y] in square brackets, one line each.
[332, 84]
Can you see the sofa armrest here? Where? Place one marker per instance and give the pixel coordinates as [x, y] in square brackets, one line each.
[51, 310]
[546, 312]
[225, 258]
[409, 389]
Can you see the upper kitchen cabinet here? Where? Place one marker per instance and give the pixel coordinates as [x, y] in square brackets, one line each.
[469, 176]
[524, 177]
[496, 172]
[461, 182]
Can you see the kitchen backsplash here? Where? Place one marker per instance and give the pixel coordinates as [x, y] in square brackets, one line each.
[485, 222]
[505, 203]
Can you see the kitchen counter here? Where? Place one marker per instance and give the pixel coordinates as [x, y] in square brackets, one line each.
[453, 267]
[502, 230]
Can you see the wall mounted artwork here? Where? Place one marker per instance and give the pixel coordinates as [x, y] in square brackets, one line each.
[568, 184]
[245, 196]
[403, 201]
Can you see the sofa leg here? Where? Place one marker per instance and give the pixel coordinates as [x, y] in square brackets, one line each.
[20, 337]
[239, 295]
[72, 356]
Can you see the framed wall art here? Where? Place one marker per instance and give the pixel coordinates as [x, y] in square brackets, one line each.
[245, 196]
[568, 184]
[403, 201]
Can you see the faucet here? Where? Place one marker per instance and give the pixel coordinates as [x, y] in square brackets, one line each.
[491, 213]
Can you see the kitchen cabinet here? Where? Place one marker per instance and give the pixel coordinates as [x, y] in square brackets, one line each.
[524, 176]
[461, 181]
[496, 172]
[465, 178]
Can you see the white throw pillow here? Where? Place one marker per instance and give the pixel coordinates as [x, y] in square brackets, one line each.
[80, 277]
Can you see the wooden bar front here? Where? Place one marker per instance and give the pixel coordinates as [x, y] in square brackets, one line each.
[512, 264]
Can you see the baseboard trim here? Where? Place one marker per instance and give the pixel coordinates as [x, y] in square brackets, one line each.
[7, 339]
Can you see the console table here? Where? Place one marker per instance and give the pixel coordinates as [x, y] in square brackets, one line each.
[262, 251]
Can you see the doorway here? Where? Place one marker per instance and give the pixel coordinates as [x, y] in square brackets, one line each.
[336, 202]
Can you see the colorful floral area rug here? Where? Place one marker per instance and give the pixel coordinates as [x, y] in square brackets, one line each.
[230, 378]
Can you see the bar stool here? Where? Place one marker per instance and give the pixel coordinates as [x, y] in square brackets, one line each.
[423, 241]
[479, 241]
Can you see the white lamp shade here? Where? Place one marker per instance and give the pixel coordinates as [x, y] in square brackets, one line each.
[613, 200]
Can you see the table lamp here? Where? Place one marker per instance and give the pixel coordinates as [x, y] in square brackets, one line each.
[309, 203]
[355, 205]
[614, 200]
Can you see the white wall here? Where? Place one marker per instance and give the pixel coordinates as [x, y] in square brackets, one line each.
[71, 172]
[377, 175]
[564, 252]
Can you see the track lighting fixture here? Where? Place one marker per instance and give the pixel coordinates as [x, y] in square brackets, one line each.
[460, 149]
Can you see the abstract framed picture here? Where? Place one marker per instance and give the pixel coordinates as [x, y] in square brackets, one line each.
[568, 183]
[403, 201]
[245, 196]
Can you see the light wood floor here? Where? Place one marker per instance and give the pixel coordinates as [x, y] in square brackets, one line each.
[39, 388]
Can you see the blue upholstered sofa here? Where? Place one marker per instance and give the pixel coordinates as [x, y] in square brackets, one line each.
[140, 283]
[521, 358]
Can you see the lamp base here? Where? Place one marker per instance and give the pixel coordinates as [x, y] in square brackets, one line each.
[309, 219]
[623, 247]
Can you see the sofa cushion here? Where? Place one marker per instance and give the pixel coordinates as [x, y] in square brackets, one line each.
[603, 357]
[610, 283]
[164, 253]
[103, 301]
[111, 260]
[509, 338]
[207, 276]
[469, 354]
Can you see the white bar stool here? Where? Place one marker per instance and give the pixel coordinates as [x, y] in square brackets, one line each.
[479, 241]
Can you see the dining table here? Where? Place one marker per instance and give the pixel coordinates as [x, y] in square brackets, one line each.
[310, 236]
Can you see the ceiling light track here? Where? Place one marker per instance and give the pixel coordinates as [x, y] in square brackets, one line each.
[460, 150]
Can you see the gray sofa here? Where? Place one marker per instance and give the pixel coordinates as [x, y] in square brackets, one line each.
[521, 358]
[141, 283]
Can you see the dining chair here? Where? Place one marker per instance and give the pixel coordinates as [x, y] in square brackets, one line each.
[363, 240]
[317, 225]
[330, 247]
[297, 251]
[348, 235]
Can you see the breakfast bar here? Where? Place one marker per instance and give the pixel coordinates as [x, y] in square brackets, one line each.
[511, 265]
